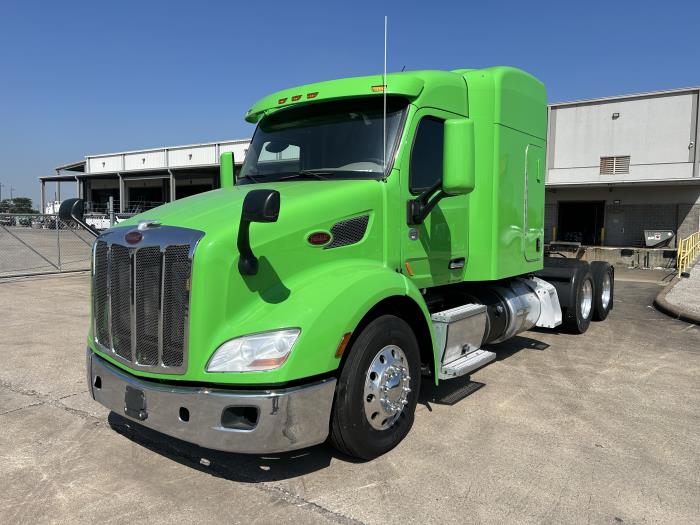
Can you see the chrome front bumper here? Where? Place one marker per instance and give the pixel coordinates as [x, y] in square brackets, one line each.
[287, 419]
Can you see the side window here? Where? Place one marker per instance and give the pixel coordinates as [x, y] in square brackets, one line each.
[426, 156]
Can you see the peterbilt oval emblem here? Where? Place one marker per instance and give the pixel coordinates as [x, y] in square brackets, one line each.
[133, 237]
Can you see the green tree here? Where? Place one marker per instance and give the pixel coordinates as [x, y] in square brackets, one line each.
[17, 205]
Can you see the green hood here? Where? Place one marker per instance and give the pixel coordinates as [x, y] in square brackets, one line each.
[220, 209]
[225, 304]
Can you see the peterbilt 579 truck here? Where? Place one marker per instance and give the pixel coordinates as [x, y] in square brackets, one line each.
[382, 231]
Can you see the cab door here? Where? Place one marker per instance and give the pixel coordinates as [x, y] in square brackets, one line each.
[434, 252]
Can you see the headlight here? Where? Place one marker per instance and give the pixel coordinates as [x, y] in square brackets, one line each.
[265, 351]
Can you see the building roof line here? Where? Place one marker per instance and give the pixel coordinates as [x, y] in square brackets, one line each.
[626, 97]
[163, 148]
[127, 174]
[70, 165]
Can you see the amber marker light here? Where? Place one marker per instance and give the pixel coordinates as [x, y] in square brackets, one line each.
[282, 100]
[312, 95]
[271, 362]
[295, 98]
[343, 343]
[377, 89]
[409, 269]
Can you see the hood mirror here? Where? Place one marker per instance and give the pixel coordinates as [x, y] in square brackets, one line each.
[258, 206]
[72, 210]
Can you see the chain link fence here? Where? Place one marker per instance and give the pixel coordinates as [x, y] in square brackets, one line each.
[32, 244]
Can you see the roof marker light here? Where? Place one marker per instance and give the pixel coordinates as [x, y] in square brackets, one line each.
[312, 95]
[295, 98]
[282, 100]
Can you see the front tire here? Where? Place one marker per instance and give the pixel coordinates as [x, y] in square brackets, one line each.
[377, 391]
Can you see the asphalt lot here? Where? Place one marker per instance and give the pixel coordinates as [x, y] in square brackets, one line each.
[599, 428]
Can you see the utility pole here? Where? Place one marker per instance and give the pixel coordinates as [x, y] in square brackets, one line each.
[1, 187]
[12, 195]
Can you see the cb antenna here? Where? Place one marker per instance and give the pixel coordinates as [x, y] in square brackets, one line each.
[384, 97]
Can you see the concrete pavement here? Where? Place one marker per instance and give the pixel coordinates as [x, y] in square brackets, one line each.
[599, 428]
[685, 294]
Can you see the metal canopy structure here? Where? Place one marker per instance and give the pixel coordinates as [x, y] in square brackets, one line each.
[130, 176]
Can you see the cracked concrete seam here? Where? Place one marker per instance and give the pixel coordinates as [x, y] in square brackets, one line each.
[46, 400]
[272, 490]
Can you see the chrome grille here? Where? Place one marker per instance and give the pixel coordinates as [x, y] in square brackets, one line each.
[141, 297]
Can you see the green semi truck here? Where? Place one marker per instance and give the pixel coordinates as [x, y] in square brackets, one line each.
[382, 231]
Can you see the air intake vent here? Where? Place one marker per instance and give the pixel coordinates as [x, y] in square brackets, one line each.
[614, 165]
[348, 232]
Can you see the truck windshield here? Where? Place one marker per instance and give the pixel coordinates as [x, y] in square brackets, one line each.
[324, 140]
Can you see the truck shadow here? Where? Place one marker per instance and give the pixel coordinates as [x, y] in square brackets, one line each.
[267, 283]
[245, 468]
[516, 344]
[455, 390]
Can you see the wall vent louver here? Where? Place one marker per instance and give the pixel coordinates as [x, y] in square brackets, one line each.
[619, 165]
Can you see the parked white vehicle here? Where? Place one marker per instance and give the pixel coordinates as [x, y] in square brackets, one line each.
[101, 223]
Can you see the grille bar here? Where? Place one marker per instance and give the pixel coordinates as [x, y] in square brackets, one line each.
[121, 300]
[100, 297]
[175, 303]
[141, 297]
[160, 310]
[147, 304]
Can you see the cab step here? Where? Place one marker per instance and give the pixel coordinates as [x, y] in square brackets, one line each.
[468, 363]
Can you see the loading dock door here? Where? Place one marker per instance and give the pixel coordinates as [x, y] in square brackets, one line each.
[581, 222]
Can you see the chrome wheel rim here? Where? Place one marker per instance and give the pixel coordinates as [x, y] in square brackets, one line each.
[586, 298]
[606, 291]
[386, 387]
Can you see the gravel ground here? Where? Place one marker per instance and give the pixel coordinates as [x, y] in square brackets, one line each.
[686, 292]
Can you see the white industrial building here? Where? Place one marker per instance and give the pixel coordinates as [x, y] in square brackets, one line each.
[620, 165]
[616, 166]
[141, 179]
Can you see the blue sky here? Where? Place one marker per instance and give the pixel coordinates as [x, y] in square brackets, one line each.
[80, 78]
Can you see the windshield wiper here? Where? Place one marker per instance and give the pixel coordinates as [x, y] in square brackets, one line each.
[315, 174]
[254, 179]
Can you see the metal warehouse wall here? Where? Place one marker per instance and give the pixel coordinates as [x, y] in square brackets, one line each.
[657, 131]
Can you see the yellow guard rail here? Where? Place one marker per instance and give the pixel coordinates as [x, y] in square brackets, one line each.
[688, 250]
